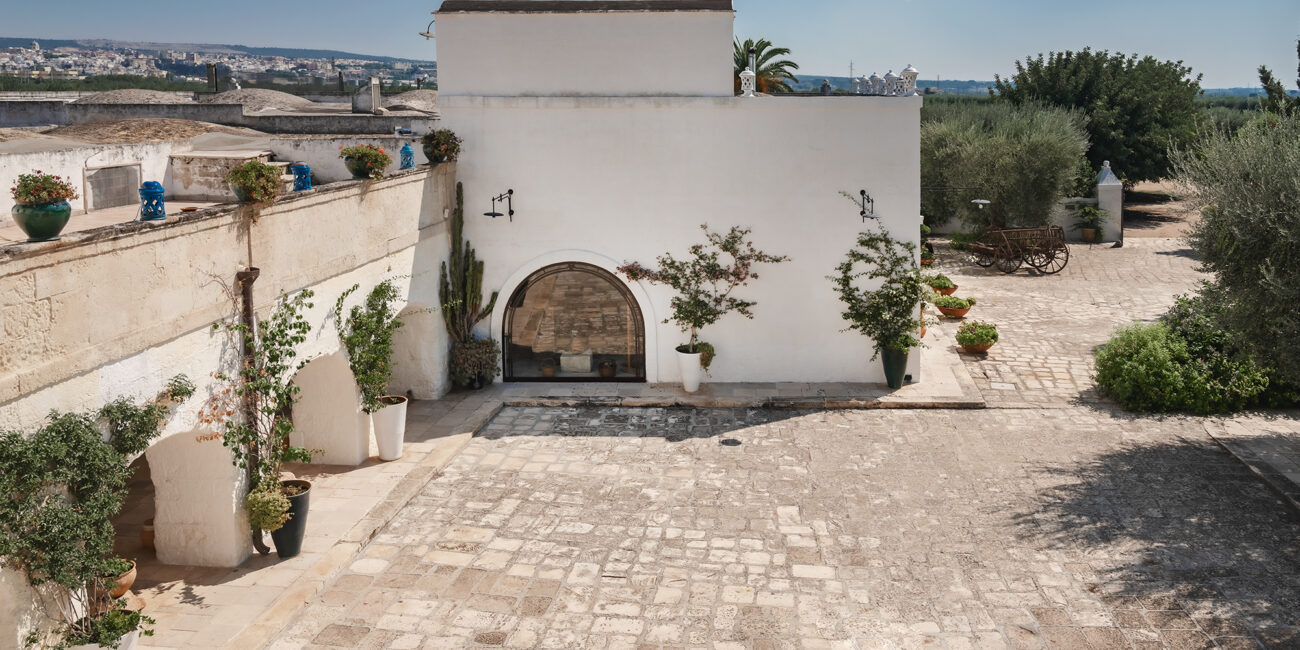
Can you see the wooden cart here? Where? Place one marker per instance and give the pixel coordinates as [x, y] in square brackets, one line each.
[1042, 247]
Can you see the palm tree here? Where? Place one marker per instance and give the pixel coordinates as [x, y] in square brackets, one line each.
[772, 72]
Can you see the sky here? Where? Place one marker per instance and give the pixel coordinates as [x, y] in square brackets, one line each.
[1225, 40]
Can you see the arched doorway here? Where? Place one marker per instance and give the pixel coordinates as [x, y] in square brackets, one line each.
[573, 322]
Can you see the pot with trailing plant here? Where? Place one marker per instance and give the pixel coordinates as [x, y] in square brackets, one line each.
[441, 145]
[41, 206]
[474, 361]
[704, 283]
[1090, 223]
[952, 306]
[60, 488]
[886, 309]
[367, 333]
[365, 161]
[977, 336]
[259, 443]
[941, 283]
[254, 182]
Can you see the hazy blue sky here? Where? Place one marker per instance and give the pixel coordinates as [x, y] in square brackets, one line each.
[956, 39]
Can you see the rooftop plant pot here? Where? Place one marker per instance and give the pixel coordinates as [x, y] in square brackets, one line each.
[390, 426]
[127, 642]
[358, 168]
[42, 221]
[123, 583]
[895, 362]
[434, 159]
[953, 313]
[692, 371]
[288, 539]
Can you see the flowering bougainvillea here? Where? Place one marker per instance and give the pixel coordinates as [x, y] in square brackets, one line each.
[39, 187]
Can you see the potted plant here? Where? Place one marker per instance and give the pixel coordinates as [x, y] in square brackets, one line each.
[460, 290]
[441, 145]
[60, 488]
[367, 334]
[941, 284]
[977, 336]
[704, 283]
[260, 442]
[548, 365]
[254, 181]
[952, 306]
[365, 160]
[927, 257]
[41, 206]
[607, 368]
[887, 314]
[1090, 223]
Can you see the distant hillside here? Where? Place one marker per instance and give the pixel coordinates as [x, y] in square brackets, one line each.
[814, 82]
[206, 48]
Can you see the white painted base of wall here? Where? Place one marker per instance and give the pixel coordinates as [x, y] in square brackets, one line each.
[199, 516]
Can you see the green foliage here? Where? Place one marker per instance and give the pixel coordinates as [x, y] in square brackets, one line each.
[939, 281]
[132, 427]
[1248, 189]
[773, 73]
[953, 302]
[1278, 101]
[267, 382]
[1136, 107]
[258, 181]
[1090, 217]
[461, 281]
[268, 507]
[1085, 181]
[887, 313]
[977, 332]
[706, 350]
[179, 389]
[704, 282]
[116, 567]
[39, 187]
[1023, 159]
[367, 333]
[475, 361]
[445, 143]
[373, 158]
[106, 629]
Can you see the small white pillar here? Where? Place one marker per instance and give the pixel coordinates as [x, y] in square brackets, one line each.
[1110, 197]
[199, 517]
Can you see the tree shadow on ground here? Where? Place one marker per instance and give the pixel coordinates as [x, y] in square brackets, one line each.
[1178, 525]
[674, 424]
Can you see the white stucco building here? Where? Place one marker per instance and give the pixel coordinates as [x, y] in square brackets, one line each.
[616, 126]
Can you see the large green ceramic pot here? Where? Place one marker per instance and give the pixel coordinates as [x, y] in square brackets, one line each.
[42, 221]
[433, 158]
[358, 168]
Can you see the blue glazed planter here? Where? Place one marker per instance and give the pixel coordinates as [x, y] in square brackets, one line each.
[42, 221]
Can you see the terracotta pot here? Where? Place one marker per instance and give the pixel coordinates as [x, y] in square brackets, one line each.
[607, 369]
[123, 584]
[952, 313]
[977, 348]
[927, 261]
[548, 371]
[947, 292]
[146, 534]
[1088, 234]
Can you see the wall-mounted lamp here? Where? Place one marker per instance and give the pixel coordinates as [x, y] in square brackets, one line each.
[428, 31]
[509, 199]
[867, 204]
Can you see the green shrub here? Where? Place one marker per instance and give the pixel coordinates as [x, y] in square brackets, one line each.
[373, 158]
[953, 302]
[977, 332]
[268, 508]
[475, 361]
[445, 144]
[259, 181]
[939, 281]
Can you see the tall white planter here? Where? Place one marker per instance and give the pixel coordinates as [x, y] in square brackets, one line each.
[390, 428]
[692, 371]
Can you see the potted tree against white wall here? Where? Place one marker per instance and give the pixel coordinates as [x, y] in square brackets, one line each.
[704, 283]
[886, 313]
[367, 333]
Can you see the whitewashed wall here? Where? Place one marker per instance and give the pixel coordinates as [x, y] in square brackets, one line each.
[589, 54]
[608, 180]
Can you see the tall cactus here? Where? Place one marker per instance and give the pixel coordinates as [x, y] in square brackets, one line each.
[461, 282]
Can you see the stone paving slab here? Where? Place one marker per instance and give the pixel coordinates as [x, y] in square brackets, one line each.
[1269, 446]
[760, 529]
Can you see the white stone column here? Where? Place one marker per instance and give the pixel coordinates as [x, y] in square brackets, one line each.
[199, 517]
[1110, 197]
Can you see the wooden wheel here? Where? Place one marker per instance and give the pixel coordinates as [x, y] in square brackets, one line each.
[1039, 256]
[982, 257]
[1008, 258]
[1060, 256]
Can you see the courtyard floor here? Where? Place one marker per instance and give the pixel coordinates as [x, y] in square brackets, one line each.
[1049, 519]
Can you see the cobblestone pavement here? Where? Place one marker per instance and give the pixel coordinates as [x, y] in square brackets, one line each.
[753, 529]
[1050, 324]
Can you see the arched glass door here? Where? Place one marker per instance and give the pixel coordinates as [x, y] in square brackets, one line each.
[573, 322]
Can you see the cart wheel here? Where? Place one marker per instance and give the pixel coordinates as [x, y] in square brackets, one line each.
[982, 258]
[1060, 256]
[1038, 257]
[1008, 260]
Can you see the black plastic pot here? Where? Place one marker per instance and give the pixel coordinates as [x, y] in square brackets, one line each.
[895, 366]
[288, 539]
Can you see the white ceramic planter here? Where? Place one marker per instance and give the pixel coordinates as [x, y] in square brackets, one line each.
[692, 371]
[390, 429]
[129, 642]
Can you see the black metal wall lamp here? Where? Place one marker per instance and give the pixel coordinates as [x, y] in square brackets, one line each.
[509, 199]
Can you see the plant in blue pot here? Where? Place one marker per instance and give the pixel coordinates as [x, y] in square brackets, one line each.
[41, 205]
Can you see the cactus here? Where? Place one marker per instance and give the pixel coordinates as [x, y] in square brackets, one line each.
[461, 282]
